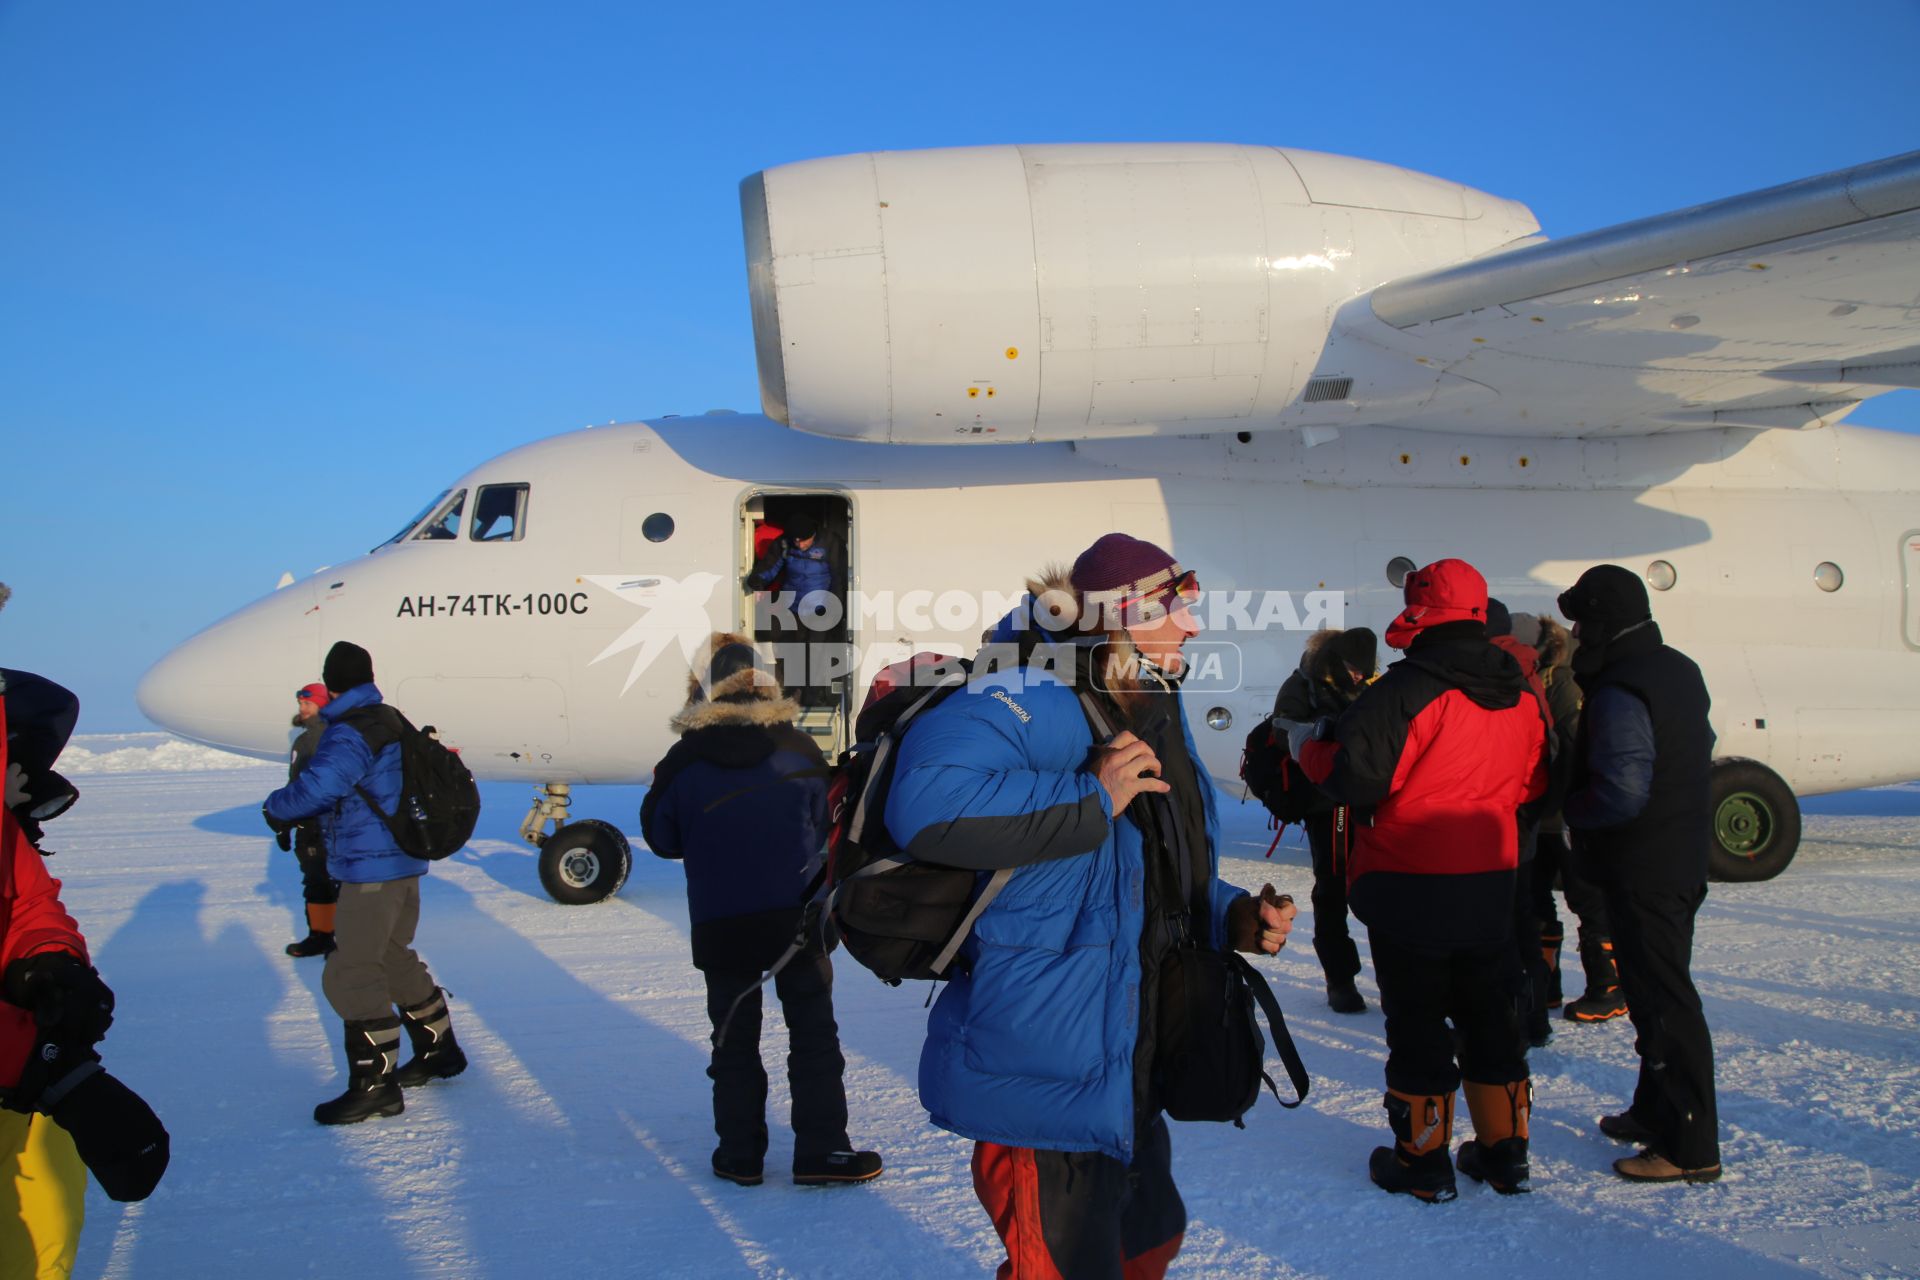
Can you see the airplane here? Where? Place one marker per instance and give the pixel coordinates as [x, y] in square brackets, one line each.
[1304, 374]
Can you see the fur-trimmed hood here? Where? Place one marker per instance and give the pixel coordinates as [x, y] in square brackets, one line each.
[749, 696]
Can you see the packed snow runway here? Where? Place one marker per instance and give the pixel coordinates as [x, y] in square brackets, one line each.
[577, 1144]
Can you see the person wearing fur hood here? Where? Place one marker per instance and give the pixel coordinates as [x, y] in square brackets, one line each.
[1042, 1048]
[741, 801]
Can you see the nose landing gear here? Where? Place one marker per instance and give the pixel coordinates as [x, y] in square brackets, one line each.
[581, 862]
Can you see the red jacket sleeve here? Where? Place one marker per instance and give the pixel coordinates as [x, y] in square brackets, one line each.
[31, 921]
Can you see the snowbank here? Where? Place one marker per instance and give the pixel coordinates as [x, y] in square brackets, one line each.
[93, 753]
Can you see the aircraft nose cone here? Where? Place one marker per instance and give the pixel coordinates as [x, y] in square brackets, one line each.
[232, 685]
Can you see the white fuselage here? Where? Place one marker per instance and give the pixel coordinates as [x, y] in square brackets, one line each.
[560, 657]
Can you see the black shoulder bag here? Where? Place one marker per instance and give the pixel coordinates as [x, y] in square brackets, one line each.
[1210, 1055]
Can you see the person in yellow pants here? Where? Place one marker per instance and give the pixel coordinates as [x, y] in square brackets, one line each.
[43, 1193]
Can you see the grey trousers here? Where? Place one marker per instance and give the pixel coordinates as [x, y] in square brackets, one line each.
[372, 967]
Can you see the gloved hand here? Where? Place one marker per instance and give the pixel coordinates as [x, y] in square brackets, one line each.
[274, 824]
[119, 1138]
[16, 785]
[284, 838]
[69, 1002]
[1301, 732]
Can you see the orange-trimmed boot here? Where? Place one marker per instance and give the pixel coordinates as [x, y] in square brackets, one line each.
[1497, 1152]
[1604, 999]
[1416, 1164]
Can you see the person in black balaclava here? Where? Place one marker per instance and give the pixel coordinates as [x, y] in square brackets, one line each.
[1640, 811]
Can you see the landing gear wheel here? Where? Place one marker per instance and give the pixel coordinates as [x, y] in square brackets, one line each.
[1756, 822]
[584, 861]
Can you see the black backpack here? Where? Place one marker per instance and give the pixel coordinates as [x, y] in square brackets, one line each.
[901, 918]
[439, 801]
[1274, 777]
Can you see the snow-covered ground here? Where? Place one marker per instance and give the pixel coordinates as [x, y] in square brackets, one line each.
[577, 1145]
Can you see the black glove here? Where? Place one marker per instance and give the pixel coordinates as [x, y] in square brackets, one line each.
[274, 824]
[119, 1138]
[284, 838]
[69, 1002]
[747, 585]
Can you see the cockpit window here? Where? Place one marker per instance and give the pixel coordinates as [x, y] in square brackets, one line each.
[418, 516]
[444, 524]
[500, 513]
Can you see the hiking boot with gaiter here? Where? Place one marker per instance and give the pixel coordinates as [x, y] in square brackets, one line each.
[319, 939]
[373, 1054]
[436, 1054]
[1604, 999]
[1416, 1164]
[1497, 1152]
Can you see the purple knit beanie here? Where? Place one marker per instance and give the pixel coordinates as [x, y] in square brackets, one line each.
[1126, 581]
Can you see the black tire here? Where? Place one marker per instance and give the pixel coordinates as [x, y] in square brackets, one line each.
[585, 861]
[1756, 822]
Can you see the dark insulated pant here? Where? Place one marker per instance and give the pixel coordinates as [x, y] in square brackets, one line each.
[316, 886]
[1528, 959]
[1584, 899]
[1421, 989]
[1339, 958]
[372, 967]
[1653, 944]
[814, 1063]
[1080, 1215]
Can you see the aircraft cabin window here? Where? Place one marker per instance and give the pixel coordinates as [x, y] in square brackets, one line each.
[444, 526]
[1397, 570]
[418, 516]
[500, 513]
[658, 527]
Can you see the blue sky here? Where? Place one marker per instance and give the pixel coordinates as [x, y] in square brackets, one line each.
[271, 274]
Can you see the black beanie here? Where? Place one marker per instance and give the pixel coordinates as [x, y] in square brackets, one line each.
[1607, 598]
[730, 660]
[1358, 647]
[1499, 620]
[348, 666]
[801, 527]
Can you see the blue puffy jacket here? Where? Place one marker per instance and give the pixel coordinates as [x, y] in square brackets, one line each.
[360, 849]
[806, 571]
[1033, 1045]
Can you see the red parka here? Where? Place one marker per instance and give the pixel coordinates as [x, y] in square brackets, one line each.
[31, 921]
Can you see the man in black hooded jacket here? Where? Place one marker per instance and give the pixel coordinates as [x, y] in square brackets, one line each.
[1640, 811]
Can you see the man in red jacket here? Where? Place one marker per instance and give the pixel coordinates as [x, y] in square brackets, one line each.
[58, 1110]
[1439, 754]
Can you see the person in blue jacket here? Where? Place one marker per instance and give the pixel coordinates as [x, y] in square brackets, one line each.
[810, 602]
[741, 799]
[373, 967]
[1041, 1047]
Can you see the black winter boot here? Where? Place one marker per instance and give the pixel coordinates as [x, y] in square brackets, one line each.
[373, 1051]
[1604, 999]
[1502, 1119]
[436, 1054]
[1416, 1164]
[1344, 997]
[836, 1167]
[319, 939]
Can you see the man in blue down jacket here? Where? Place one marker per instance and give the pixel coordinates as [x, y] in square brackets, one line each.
[1041, 1047]
[373, 967]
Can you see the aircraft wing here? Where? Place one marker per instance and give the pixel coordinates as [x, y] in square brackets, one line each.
[1781, 308]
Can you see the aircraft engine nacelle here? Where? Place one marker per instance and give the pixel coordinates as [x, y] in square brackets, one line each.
[1021, 293]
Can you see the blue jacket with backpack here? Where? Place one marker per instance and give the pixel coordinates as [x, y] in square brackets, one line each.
[1031, 1043]
[360, 849]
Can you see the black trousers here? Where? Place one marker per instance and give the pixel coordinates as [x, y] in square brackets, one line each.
[1653, 943]
[316, 886]
[1553, 859]
[1421, 989]
[1339, 958]
[1531, 963]
[814, 1063]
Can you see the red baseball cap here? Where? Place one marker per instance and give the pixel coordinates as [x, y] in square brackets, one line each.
[1444, 591]
[316, 693]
